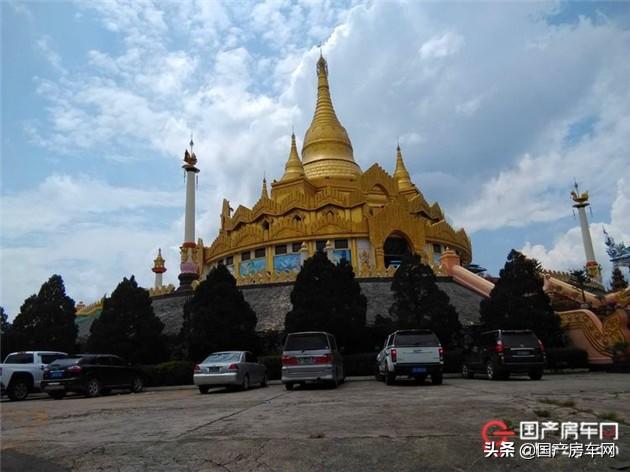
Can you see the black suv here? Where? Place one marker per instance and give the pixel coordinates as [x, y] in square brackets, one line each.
[502, 352]
[90, 374]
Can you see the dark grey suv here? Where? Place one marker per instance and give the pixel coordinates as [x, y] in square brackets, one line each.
[501, 352]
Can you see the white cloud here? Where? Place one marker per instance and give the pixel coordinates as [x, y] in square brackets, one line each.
[52, 56]
[61, 202]
[442, 46]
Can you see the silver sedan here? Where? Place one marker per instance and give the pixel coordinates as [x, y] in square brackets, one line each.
[230, 369]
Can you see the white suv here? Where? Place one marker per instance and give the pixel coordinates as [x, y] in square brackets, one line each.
[413, 353]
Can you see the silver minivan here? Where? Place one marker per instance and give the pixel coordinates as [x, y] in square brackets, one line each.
[311, 356]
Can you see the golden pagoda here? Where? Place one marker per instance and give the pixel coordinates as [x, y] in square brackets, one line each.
[324, 201]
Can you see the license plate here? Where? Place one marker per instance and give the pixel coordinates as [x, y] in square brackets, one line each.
[306, 360]
[418, 370]
[55, 374]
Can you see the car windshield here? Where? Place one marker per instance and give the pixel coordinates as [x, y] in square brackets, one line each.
[517, 339]
[416, 339]
[21, 358]
[223, 357]
[67, 361]
[306, 342]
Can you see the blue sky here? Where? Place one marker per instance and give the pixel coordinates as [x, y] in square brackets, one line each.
[497, 108]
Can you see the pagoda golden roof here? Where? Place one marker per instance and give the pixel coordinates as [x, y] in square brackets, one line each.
[327, 150]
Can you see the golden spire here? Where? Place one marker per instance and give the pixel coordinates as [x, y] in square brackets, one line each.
[293, 168]
[264, 194]
[400, 174]
[327, 150]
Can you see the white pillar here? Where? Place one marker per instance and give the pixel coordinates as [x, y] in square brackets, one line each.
[189, 220]
[586, 235]
[158, 280]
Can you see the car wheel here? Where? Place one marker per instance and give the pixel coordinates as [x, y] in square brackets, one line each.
[18, 390]
[93, 388]
[390, 377]
[288, 386]
[245, 384]
[536, 374]
[377, 375]
[204, 389]
[263, 383]
[57, 395]
[466, 372]
[491, 371]
[436, 378]
[137, 385]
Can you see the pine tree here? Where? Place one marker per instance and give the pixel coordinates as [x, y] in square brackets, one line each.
[128, 326]
[419, 302]
[618, 281]
[518, 301]
[327, 297]
[218, 317]
[46, 320]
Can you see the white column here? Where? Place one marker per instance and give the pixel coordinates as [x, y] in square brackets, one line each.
[189, 221]
[586, 235]
[158, 280]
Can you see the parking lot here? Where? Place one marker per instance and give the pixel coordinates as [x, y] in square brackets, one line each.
[362, 425]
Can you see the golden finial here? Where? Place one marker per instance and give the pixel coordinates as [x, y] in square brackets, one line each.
[400, 174]
[293, 168]
[580, 199]
[327, 150]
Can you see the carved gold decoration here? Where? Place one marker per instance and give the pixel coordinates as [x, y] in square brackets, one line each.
[164, 290]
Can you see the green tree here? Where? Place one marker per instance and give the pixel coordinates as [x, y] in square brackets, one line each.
[580, 278]
[128, 326]
[419, 302]
[6, 341]
[518, 301]
[46, 320]
[618, 281]
[327, 297]
[218, 317]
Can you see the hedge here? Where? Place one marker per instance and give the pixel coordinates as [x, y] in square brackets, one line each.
[566, 358]
[169, 373]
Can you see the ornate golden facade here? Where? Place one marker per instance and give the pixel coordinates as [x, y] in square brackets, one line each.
[324, 201]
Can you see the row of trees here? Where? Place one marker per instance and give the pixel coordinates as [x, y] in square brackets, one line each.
[326, 296]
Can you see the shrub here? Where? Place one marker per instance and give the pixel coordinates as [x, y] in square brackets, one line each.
[274, 366]
[359, 364]
[566, 358]
[169, 373]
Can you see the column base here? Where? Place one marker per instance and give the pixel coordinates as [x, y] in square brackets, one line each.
[185, 281]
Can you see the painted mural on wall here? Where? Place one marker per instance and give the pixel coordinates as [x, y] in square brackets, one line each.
[252, 266]
[339, 254]
[287, 262]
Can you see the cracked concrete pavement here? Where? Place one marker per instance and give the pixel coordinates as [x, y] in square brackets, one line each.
[361, 426]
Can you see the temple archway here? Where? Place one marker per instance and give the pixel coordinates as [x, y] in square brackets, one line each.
[395, 248]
